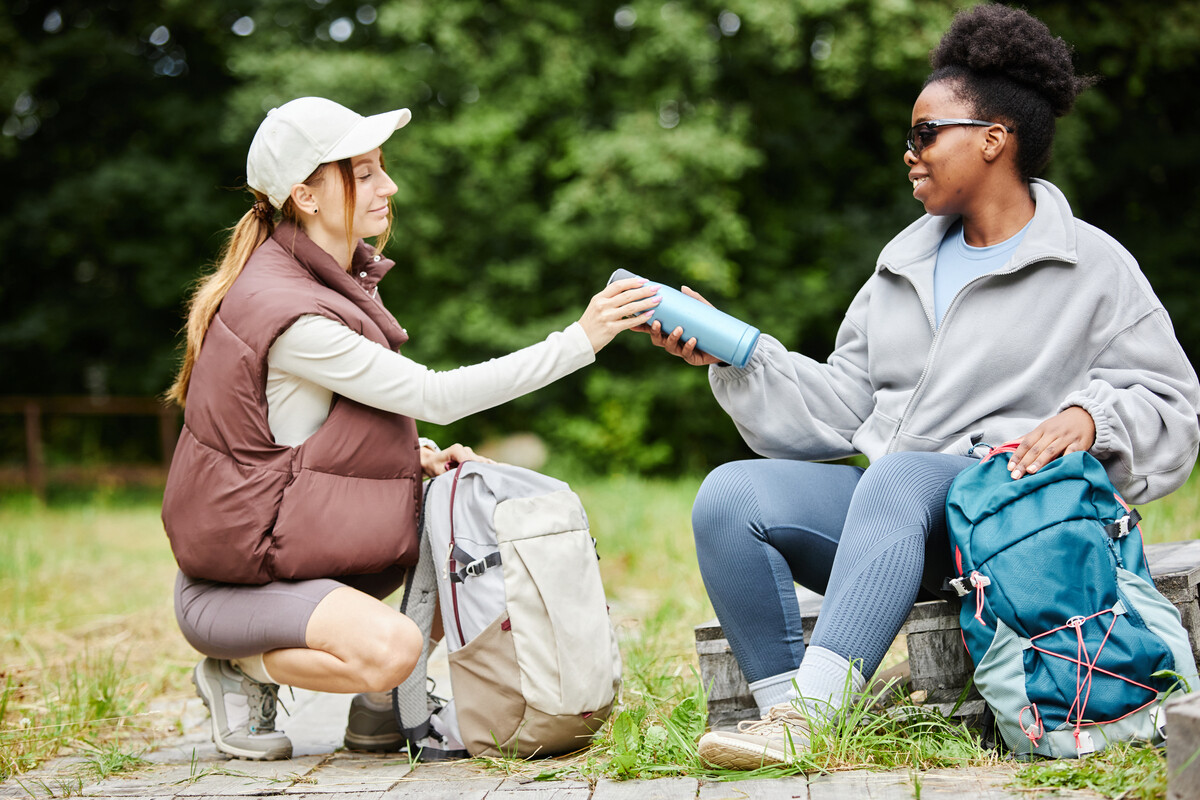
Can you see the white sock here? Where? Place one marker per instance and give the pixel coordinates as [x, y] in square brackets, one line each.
[774, 690]
[377, 701]
[254, 668]
[821, 681]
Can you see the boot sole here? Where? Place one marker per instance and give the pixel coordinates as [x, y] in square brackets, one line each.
[738, 755]
[374, 744]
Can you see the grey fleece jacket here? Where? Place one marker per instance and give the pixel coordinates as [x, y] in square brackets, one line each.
[1070, 320]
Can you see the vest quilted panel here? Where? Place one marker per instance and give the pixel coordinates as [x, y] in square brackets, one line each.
[240, 508]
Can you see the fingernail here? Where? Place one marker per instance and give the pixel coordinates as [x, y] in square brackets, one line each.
[1016, 474]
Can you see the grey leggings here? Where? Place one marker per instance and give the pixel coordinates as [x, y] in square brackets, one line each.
[868, 540]
[229, 620]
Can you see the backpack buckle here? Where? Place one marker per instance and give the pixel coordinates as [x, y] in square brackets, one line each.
[1158, 717]
[1120, 528]
[475, 568]
[957, 585]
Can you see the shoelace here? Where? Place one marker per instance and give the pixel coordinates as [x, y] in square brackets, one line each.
[777, 718]
[262, 698]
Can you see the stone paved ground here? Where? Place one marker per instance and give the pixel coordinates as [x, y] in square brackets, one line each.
[188, 767]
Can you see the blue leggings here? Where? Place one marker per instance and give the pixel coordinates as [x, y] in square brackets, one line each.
[868, 540]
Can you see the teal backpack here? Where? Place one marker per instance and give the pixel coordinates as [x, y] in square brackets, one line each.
[1074, 648]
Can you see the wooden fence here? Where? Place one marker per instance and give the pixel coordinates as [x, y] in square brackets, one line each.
[36, 409]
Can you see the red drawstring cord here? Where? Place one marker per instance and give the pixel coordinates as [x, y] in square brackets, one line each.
[1081, 658]
[979, 582]
[1083, 680]
[1036, 730]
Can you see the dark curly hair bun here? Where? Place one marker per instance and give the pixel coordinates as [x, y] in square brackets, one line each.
[1011, 68]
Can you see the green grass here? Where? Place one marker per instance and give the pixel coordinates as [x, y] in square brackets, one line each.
[87, 634]
[88, 640]
[1176, 517]
[1128, 771]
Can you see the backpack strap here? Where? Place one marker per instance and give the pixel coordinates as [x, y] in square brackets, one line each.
[419, 603]
[472, 567]
[1007, 447]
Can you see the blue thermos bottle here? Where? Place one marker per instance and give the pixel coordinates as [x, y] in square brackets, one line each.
[716, 333]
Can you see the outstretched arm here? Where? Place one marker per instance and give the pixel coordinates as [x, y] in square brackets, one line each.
[325, 352]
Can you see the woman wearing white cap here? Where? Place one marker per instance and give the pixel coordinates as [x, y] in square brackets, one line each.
[292, 500]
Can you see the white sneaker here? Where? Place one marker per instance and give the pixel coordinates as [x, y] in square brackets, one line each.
[242, 711]
[773, 740]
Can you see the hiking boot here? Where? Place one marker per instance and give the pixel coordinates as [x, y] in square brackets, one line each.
[773, 740]
[242, 711]
[371, 729]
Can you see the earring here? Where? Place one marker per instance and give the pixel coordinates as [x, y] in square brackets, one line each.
[315, 210]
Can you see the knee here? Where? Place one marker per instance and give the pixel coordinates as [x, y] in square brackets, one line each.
[895, 470]
[724, 505]
[387, 660]
[896, 484]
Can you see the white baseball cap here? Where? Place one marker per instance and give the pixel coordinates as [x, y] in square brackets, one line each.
[307, 132]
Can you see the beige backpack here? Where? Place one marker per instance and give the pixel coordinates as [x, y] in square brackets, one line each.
[534, 664]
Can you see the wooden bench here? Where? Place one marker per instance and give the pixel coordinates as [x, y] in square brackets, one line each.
[938, 665]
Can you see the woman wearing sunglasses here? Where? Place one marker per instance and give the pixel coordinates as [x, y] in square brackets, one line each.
[995, 316]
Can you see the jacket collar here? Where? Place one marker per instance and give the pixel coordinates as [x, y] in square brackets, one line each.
[358, 285]
[1051, 236]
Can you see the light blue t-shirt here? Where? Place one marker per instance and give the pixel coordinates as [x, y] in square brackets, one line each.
[958, 263]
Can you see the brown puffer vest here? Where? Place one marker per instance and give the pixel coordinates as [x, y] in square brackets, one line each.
[240, 508]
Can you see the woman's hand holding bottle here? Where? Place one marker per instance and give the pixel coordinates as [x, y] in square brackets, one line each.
[670, 340]
[619, 307]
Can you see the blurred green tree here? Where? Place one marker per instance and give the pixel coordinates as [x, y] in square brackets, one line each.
[748, 148]
[728, 149]
[115, 169]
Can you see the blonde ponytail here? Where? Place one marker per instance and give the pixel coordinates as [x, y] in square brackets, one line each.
[255, 226]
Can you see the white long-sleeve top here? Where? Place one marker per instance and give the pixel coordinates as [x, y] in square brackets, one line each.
[318, 357]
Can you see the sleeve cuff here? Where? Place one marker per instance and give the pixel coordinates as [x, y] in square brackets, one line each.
[580, 344]
[728, 373]
[1103, 444]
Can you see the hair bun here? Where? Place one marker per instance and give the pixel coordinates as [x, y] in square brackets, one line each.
[997, 40]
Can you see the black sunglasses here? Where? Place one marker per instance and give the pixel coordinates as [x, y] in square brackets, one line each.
[923, 134]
